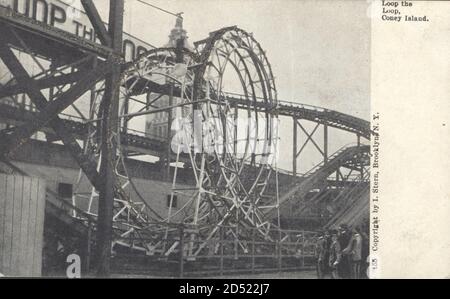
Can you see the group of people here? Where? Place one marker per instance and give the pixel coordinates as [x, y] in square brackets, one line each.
[342, 253]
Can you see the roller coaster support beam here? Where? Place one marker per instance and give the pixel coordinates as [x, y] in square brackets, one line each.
[96, 22]
[325, 144]
[44, 83]
[41, 103]
[310, 139]
[294, 149]
[361, 164]
[48, 110]
[108, 145]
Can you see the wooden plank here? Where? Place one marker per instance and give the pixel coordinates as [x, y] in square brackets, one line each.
[2, 218]
[39, 238]
[9, 208]
[23, 262]
[22, 202]
[32, 224]
[17, 219]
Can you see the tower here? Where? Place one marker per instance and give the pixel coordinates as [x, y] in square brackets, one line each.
[157, 123]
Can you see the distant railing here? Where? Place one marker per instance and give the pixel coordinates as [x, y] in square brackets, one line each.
[293, 250]
[286, 103]
[315, 167]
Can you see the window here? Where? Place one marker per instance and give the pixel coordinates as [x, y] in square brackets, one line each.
[174, 201]
[65, 190]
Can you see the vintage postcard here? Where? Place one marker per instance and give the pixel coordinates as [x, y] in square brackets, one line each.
[217, 139]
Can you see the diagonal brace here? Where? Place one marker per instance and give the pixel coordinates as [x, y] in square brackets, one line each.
[96, 22]
[88, 166]
[309, 138]
[25, 131]
[43, 83]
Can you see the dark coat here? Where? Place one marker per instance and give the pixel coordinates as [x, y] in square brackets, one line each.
[335, 254]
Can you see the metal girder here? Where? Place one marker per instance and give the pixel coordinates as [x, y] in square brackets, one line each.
[294, 148]
[56, 123]
[309, 139]
[43, 83]
[48, 111]
[96, 22]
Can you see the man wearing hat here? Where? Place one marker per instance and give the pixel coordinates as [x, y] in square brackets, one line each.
[344, 237]
[322, 254]
[335, 258]
[354, 253]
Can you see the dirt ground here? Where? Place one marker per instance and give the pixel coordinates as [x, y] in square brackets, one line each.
[283, 275]
[307, 274]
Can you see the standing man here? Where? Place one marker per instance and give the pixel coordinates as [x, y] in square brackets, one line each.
[321, 248]
[335, 255]
[344, 237]
[354, 253]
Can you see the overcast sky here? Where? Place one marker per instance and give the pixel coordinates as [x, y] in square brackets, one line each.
[319, 50]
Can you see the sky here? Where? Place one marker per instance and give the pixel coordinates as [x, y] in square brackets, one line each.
[319, 50]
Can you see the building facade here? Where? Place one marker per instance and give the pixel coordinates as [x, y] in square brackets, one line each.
[157, 124]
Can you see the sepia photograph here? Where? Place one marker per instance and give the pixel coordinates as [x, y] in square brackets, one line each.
[189, 139]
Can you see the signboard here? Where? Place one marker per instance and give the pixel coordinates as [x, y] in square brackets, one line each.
[68, 16]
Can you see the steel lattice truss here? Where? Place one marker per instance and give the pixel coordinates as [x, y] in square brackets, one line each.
[232, 162]
[231, 170]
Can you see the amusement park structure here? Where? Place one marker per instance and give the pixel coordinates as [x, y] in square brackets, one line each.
[238, 202]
